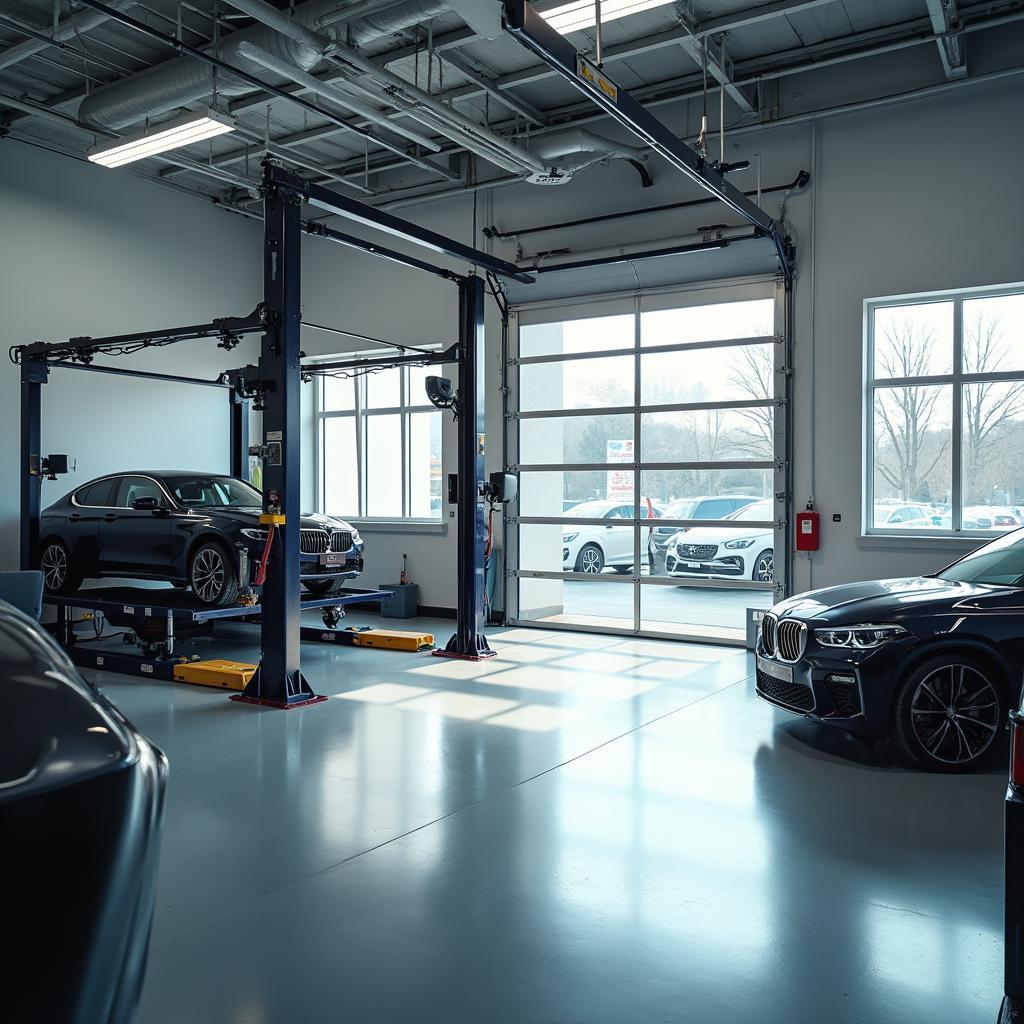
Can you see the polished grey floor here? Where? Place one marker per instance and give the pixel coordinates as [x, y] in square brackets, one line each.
[585, 829]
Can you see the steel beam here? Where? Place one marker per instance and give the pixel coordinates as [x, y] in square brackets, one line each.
[522, 22]
[951, 45]
[238, 417]
[719, 67]
[278, 682]
[34, 374]
[468, 640]
[361, 213]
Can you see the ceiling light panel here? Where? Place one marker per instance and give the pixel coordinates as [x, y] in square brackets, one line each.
[185, 130]
[580, 14]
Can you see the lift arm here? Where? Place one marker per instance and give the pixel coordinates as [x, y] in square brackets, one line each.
[530, 29]
[83, 349]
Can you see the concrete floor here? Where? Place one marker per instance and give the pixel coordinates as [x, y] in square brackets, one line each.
[585, 829]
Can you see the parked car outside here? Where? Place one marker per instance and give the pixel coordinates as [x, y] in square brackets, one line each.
[717, 506]
[932, 662]
[902, 516]
[188, 529]
[723, 552]
[993, 517]
[81, 810]
[591, 549]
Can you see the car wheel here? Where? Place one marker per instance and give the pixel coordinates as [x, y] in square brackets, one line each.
[212, 575]
[764, 567]
[323, 588]
[59, 573]
[949, 714]
[590, 559]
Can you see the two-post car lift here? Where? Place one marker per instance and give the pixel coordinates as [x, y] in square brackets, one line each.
[275, 384]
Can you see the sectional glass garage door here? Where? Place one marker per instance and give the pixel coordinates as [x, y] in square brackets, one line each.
[648, 433]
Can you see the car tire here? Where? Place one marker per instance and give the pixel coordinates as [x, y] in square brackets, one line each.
[60, 576]
[212, 575]
[590, 560]
[323, 588]
[764, 567]
[949, 714]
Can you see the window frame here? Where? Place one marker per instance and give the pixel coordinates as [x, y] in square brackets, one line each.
[956, 380]
[360, 414]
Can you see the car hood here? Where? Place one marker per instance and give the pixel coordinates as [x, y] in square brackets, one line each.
[719, 535]
[250, 516]
[882, 600]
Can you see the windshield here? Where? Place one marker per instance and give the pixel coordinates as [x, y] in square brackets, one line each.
[759, 512]
[1000, 563]
[213, 492]
[589, 509]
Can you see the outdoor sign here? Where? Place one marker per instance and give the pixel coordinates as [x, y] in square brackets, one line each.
[620, 481]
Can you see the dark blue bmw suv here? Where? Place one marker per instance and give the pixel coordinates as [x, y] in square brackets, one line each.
[932, 662]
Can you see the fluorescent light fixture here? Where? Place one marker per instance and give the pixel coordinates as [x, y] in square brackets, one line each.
[579, 14]
[195, 126]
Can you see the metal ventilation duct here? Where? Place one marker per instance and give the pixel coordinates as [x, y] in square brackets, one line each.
[184, 80]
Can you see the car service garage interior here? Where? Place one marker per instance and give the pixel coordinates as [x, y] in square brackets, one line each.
[514, 511]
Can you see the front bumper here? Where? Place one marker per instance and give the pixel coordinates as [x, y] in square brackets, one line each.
[723, 567]
[849, 689]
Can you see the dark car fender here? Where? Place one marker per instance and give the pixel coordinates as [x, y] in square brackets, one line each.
[978, 647]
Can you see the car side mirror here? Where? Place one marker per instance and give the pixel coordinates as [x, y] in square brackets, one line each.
[149, 504]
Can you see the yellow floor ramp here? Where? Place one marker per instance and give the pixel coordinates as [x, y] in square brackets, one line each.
[392, 639]
[226, 675]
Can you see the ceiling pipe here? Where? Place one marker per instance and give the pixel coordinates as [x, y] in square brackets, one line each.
[266, 60]
[419, 105]
[69, 28]
[574, 150]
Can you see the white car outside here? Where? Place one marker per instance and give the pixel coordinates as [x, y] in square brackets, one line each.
[710, 552]
[590, 548]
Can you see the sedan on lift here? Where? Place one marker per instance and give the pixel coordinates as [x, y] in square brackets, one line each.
[932, 662]
[193, 530]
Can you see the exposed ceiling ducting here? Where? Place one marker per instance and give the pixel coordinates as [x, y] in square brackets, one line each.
[317, 32]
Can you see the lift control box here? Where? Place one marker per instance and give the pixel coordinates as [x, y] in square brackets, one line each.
[227, 675]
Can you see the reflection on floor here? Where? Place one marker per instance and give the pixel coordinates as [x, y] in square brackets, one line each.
[586, 828]
[712, 613]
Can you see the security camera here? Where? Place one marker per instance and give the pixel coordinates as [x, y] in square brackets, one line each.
[441, 392]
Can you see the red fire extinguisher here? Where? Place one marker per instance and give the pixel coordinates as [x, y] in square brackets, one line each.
[808, 529]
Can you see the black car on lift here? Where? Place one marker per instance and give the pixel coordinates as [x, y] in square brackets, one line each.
[933, 662]
[190, 529]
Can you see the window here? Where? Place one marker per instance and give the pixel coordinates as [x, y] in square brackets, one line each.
[945, 413]
[96, 495]
[132, 487]
[379, 446]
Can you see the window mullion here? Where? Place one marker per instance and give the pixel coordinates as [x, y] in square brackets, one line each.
[956, 478]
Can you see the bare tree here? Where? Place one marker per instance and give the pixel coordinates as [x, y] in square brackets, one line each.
[754, 377]
[987, 405]
[904, 415]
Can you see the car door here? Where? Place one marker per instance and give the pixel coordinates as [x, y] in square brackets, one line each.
[89, 504]
[618, 539]
[136, 540]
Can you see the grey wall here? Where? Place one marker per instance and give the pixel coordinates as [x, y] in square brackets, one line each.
[86, 250]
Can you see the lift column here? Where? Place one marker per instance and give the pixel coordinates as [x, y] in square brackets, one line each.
[278, 682]
[34, 374]
[469, 640]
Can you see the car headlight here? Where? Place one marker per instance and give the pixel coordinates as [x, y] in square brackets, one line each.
[356, 539]
[860, 637]
[567, 537]
[743, 542]
[254, 534]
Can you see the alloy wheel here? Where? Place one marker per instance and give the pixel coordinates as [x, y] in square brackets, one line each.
[208, 575]
[764, 570]
[54, 564]
[954, 714]
[590, 560]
